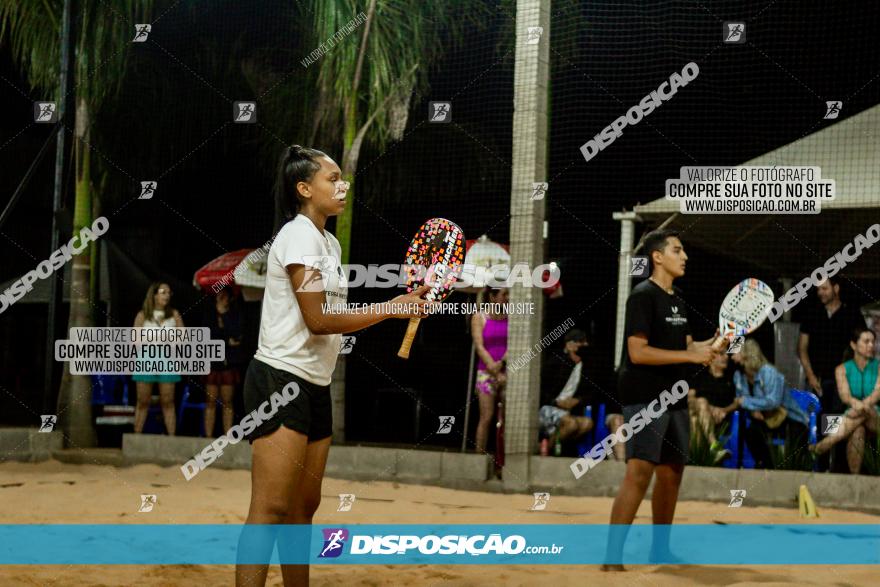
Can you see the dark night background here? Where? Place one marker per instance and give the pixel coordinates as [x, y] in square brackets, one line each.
[215, 177]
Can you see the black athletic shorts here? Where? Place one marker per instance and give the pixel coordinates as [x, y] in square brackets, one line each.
[310, 413]
[665, 440]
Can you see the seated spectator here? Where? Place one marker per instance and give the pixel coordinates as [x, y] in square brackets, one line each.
[859, 387]
[711, 401]
[562, 415]
[556, 420]
[761, 389]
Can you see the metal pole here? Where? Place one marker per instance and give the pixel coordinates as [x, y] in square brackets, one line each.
[470, 387]
[627, 233]
[66, 108]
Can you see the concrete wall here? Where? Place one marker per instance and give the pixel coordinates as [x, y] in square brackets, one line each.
[469, 471]
[26, 444]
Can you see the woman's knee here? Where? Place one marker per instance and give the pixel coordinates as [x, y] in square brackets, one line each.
[304, 509]
[275, 512]
[640, 476]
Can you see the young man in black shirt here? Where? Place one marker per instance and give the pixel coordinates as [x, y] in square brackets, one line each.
[824, 338]
[825, 335]
[657, 347]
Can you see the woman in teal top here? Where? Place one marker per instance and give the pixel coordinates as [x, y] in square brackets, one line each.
[857, 383]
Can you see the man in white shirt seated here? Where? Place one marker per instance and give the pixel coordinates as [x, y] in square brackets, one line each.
[556, 417]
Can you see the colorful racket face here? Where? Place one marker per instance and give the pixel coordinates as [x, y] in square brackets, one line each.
[435, 257]
[744, 308]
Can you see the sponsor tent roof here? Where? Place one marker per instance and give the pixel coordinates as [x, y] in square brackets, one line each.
[793, 245]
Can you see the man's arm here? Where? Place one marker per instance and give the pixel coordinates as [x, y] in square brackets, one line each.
[692, 344]
[804, 356]
[641, 353]
[773, 383]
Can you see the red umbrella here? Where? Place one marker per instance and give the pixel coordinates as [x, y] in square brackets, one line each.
[220, 270]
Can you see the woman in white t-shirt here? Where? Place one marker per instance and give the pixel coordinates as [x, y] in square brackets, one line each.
[299, 342]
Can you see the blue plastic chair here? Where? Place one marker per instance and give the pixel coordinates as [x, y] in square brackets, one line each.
[810, 403]
[104, 388]
[599, 431]
[731, 442]
[185, 404]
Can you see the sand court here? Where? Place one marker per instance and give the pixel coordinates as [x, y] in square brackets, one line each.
[59, 493]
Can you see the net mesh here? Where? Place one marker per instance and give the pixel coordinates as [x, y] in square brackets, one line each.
[761, 99]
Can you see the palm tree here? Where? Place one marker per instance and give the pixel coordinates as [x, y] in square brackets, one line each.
[103, 37]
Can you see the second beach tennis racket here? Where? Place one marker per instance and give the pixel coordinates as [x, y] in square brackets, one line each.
[743, 310]
[434, 258]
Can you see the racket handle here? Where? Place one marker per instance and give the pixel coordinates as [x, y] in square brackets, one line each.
[719, 344]
[403, 353]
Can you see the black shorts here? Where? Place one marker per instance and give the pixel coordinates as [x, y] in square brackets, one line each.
[665, 440]
[310, 413]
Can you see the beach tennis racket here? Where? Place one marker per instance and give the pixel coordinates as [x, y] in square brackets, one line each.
[744, 309]
[434, 258]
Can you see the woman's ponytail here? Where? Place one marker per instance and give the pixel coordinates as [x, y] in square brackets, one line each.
[296, 164]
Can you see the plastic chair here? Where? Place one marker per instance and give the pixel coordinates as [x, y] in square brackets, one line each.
[809, 402]
[104, 389]
[731, 443]
[599, 431]
[185, 404]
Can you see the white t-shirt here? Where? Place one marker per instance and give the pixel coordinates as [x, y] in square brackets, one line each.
[285, 341]
[572, 384]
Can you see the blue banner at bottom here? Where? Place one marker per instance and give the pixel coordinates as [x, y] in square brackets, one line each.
[475, 544]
